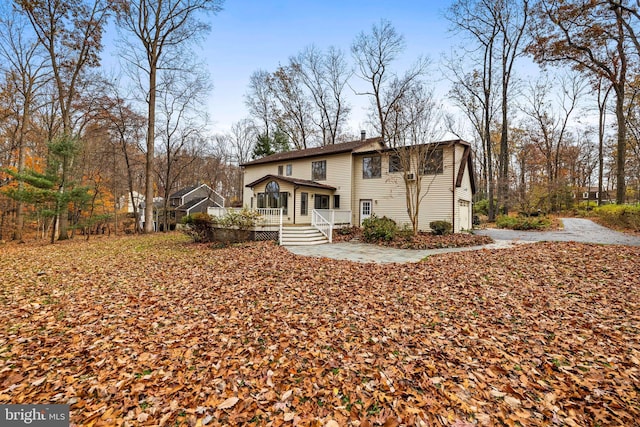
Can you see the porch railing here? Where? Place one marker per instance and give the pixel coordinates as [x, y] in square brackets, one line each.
[269, 217]
[336, 217]
[322, 224]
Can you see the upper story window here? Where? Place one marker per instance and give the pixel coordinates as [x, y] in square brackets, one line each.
[434, 162]
[394, 163]
[289, 169]
[371, 167]
[319, 170]
[280, 170]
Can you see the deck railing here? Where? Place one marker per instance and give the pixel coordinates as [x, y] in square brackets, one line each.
[322, 224]
[336, 217]
[269, 217]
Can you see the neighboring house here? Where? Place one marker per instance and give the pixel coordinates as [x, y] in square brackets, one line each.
[587, 194]
[359, 179]
[190, 200]
[126, 204]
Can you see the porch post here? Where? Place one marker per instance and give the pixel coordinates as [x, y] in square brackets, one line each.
[280, 232]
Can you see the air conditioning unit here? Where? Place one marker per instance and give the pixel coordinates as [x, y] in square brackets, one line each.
[411, 176]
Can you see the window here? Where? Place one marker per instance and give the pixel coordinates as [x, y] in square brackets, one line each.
[433, 164]
[289, 170]
[585, 195]
[394, 163]
[371, 167]
[280, 169]
[321, 201]
[273, 198]
[304, 203]
[319, 170]
[336, 201]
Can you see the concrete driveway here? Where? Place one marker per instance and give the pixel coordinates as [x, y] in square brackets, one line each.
[575, 229]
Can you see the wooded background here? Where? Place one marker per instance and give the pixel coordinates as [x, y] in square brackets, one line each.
[76, 143]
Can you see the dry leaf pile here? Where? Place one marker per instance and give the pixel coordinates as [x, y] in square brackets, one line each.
[155, 331]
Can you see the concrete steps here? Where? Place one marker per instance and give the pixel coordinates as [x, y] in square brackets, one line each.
[302, 236]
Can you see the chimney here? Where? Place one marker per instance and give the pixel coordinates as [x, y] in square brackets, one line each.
[363, 135]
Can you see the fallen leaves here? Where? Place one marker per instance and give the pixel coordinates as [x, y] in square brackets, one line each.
[154, 331]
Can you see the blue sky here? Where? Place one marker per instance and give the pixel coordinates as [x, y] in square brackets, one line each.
[249, 35]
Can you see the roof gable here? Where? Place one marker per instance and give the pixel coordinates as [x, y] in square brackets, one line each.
[184, 191]
[294, 181]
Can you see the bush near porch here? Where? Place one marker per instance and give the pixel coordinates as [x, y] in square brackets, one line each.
[233, 227]
[406, 240]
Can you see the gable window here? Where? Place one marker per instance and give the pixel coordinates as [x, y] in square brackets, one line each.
[280, 170]
[371, 167]
[434, 162]
[319, 170]
[273, 197]
[394, 163]
[289, 169]
[304, 203]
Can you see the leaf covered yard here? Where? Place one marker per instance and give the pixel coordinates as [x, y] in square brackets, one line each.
[153, 330]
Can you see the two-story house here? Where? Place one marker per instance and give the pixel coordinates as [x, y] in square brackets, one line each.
[189, 200]
[361, 178]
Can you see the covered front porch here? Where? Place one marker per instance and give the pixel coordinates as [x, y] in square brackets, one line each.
[303, 202]
[272, 221]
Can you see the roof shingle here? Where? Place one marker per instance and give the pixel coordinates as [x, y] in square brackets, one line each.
[343, 147]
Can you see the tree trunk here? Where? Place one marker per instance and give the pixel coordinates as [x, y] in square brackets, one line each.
[148, 194]
[621, 144]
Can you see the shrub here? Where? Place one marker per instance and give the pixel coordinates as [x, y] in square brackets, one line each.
[619, 216]
[523, 223]
[375, 229]
[200, 226]
[440, 228]
[346, 231]
[481, 207]
[243, 219]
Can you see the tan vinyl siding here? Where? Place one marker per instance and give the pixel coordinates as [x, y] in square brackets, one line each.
[388, 193]
[338, 175]
[285, 187]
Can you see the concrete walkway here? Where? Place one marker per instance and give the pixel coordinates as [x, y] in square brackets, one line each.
[575, 229]
[363, 252]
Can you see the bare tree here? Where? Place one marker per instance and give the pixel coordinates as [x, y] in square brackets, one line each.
[374, 54]
[512, 16]
[70, 31]
[467, 91]
[415, 123]
[163, 31]
[25, 72]
[475, 21]
[242, 138]
[181, 125]
[125, 127]
[325, 76]
[591, 37]
[293, 114]
[261, 103]
[549, 129]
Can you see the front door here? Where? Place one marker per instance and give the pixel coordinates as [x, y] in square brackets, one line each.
[365, 210]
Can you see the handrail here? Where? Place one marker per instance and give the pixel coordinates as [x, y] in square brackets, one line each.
[322, 224]
[280, 230]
